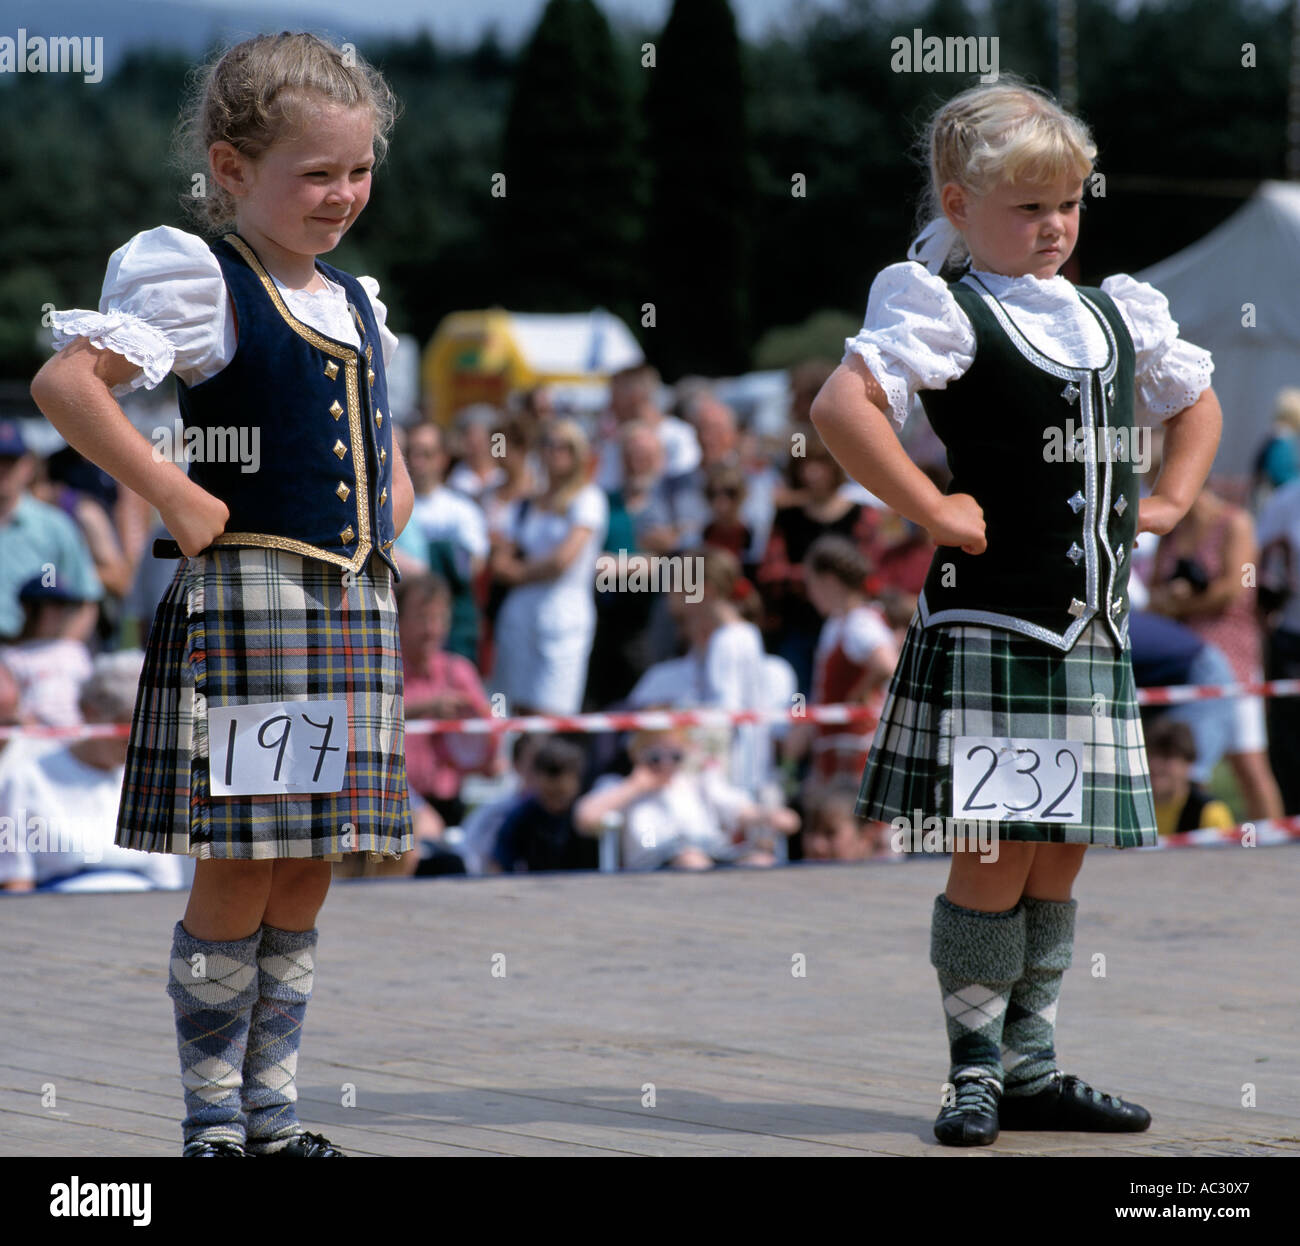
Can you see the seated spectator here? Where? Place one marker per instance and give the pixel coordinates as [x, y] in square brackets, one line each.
[439, 684]
[58, 812]
[678, 817]
[1181, 805]
[1279, 591]
[834, 832]
[481, 828]
[49, 661]
[539, 832]
[36, 536]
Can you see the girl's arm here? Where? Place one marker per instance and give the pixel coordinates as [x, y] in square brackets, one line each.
[850, 415]
[72, 390]
[403, 492]
[1191, 440]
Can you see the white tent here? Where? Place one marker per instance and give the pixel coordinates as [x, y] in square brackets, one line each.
[1250, 261]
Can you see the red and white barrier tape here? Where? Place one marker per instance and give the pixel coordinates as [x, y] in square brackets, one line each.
[658, 720]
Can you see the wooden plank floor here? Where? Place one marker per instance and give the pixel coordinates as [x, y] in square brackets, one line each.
[614, 985]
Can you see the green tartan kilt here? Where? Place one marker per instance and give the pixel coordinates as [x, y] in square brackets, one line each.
[965, 680]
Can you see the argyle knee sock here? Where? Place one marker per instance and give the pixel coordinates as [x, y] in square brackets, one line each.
[286, 964]
[1028, 1054]
[213, 987]
[978, 957]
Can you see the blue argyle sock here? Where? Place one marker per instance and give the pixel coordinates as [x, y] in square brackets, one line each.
[1028, 1037]
[213, 987]
[286, 963]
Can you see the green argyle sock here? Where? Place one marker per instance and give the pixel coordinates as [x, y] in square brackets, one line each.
[1028, 1054]
[286, 966]
[212, 987]
[978, 957]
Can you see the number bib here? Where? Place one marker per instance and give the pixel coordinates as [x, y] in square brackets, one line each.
[278, 746]
[1006, 779]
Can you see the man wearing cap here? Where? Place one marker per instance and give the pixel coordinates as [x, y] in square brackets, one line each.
[38, 540]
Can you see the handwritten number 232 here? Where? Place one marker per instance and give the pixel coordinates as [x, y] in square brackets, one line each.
[971, 807]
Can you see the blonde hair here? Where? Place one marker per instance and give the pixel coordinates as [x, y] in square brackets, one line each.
[1007, 131]
[562, 491]
[1287, 408]
[266, 89]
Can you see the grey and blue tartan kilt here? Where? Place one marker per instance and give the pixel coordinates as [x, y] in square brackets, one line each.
[964, 680]
[253, 625]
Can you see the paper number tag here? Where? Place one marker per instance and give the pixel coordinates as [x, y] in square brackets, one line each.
[1008, 779]
[278, 746]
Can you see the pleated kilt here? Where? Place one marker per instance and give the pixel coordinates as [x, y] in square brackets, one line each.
[964, 680]
[249, 625]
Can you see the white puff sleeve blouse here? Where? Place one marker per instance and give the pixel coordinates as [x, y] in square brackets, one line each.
[915, 336]
[165, 307]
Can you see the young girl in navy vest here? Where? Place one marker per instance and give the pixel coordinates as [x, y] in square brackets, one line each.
[285, 590]
[1012, 708]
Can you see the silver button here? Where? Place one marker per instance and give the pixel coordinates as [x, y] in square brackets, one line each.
[1078, 502]
[1110, 393]
[1074, 553]
[1077, 607]
[1116, 607]
[1119, 553]
[1122, 505]
[1071, 392]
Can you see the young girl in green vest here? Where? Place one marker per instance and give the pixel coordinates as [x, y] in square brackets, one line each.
[1012, 710]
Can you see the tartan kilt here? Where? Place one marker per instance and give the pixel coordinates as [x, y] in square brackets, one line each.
[248, 625]
[965, 680]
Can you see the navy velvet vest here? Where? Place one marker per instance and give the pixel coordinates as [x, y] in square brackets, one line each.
[320, 408]
[1046, 450]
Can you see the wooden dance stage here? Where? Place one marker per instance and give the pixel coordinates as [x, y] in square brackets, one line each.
[659, 1015]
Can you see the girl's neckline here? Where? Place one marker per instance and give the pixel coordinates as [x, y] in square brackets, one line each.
[1038, 281]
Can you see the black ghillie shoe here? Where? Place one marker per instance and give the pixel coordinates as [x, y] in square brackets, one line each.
[972, 1119]
[213, 1150]
[305, 1146]
[1069, 1103]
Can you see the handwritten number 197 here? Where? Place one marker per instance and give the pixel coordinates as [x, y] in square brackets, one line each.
[281, 742]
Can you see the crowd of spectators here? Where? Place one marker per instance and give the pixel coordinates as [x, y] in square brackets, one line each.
[662, 554]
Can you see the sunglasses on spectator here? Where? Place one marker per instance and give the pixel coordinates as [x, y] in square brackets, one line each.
[663, 757]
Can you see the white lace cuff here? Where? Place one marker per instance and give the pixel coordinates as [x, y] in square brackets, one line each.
[896, 389]
[122, 333]
[1175, 380]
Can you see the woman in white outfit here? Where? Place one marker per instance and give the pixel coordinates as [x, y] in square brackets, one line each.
[544, 551]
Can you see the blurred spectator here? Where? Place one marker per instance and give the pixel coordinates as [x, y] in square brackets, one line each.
[49, 662]
[38, 539]
[725, 494]
[834, 832]
[538, 833]
[439, 684]
[454, 532]
[481, 829]
[675, 816]
[544, 553]
[1199, 579]
[63, 804]
[1181, 805]
[641, 516]
[1167, 654]
[1279, 538]
[88, 494]
[634, 395]
[854, 660]
[520, 471]
[478, 467]
[791, 623]
[1278, 460]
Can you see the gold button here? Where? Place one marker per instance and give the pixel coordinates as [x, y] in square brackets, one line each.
[335, 409]
[383, 495]
[340, 449]
[342, 491]
[370, 375]
[387, 544]
[370, 353]
[346, 535]
[383, 456]
[379, 419]
[331, 369]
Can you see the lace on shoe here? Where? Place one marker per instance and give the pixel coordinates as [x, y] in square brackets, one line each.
[978, 1091]
[1069, 1082]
